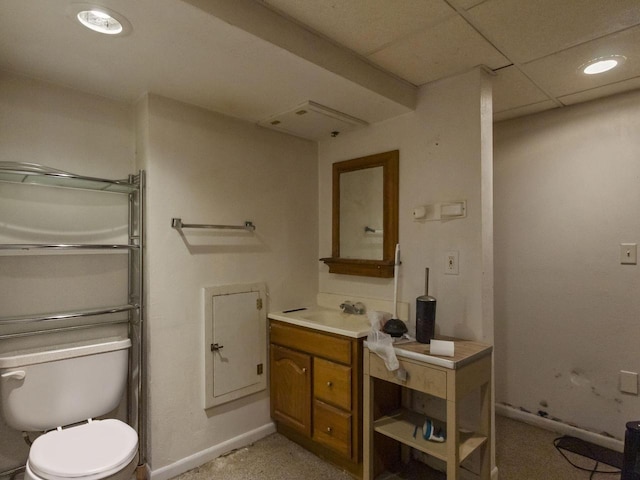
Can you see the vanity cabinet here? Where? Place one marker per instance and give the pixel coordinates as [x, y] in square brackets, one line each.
[316, 391]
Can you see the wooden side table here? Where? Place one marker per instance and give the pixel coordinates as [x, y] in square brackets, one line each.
[387, 422]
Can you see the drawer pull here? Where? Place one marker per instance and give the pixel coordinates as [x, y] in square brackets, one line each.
[329, 384]
[329, 430]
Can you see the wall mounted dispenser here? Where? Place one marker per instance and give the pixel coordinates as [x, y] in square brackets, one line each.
[441, 211]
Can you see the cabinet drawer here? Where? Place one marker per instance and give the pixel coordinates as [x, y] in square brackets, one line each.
[315, 343]
[419, 376]
[332, 383]
[332, 428]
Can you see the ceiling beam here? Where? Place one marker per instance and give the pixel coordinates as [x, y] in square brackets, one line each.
[262, 22]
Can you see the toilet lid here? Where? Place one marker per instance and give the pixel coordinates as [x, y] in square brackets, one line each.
[98, 447]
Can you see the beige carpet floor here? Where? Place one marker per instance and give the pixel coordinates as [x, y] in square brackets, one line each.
[523, 452]
[272, 458]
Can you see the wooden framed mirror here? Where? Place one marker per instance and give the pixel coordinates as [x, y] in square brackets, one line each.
[365, 216]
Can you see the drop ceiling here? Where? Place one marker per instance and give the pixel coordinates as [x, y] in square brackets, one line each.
[253, 59]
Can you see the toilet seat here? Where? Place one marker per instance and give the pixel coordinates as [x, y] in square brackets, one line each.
[90, 451]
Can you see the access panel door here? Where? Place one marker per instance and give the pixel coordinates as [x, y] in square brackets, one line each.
[236, 351]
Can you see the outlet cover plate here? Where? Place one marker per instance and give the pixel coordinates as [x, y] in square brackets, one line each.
[628, 253]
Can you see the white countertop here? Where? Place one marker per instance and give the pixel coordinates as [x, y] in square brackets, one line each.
[326, 320]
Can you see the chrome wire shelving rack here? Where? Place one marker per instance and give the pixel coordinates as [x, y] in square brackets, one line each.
[45, 323]
[34, 174]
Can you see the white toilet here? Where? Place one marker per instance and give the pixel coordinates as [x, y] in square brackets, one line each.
[48, 390]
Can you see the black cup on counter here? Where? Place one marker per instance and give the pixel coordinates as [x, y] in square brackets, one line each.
[425, 318]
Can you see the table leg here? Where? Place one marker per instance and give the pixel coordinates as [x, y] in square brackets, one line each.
[485, 429]
[453, 452]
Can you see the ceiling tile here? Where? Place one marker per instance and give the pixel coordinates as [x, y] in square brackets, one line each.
[604, 91]
[445, 49]
[560, 74]
[364, 26]
[526, 110]
[526, 30]
[465, 4]
[512, 88]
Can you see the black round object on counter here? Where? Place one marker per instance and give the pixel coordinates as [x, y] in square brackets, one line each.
[395, 327]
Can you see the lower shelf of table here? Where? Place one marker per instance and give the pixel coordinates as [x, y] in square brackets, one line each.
[401, 425]
[413, 470]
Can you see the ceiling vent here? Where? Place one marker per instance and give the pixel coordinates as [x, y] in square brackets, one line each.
[313, 121]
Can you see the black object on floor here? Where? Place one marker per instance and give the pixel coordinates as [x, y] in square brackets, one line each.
[589, 450]
[631, 467]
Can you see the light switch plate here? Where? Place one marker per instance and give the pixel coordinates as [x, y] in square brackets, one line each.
[628, 253]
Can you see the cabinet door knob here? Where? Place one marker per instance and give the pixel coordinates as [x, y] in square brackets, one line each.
[329, 429]
[304, 369]
[329, 384]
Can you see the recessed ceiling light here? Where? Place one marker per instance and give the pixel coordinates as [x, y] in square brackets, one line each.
[100, 22]
[99, 19]
[602, 64]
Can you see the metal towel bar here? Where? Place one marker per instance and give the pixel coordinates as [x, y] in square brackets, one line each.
[178, 225]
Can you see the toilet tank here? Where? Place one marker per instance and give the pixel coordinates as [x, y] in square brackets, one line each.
[47, 388]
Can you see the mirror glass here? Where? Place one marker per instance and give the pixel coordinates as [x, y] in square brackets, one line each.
[361, 214]
[365, 215]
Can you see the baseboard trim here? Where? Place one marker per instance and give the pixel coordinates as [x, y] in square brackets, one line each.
[204, 456]
[494, 473]
[557, 426]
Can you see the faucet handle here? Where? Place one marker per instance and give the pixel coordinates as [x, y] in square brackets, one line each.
[346, 305]
[359, 308]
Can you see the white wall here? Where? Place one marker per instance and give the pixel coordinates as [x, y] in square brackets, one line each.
[567, 193]
[445, 154]
[63, 128]
[441, 159]
[85, 134]
[208, 168]
[203, 167]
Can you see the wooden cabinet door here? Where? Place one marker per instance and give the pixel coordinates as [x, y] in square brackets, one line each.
[291, 388]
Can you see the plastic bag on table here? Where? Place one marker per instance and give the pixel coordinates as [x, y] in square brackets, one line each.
[379, 342]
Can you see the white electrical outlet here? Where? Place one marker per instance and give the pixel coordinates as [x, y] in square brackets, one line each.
[628, 253]
[451, 263]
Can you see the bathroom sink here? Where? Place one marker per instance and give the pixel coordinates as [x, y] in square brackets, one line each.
[327, 317]
[326, 320]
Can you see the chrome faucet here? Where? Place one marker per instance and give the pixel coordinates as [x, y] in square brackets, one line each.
[349, 307]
